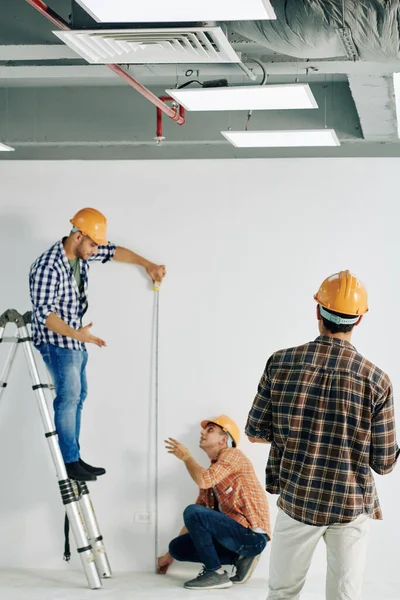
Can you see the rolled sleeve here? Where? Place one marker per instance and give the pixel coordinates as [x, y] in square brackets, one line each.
[44, 291]
[259, 420]
[104, 253]
[226, 465]
[384, 450]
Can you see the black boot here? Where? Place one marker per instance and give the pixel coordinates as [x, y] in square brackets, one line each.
[76, 471]
[94, 470]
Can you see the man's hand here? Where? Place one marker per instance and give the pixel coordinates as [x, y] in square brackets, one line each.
[181, 452]
[178, 449]
[164, 563]
[83, 335]
[257, 440]
[156, 272]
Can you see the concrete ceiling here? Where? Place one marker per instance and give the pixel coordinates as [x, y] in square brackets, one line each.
[55, 106]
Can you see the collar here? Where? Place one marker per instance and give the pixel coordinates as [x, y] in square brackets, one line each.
[331, 341]
[62, 252]
[219, 455]
[67, 265]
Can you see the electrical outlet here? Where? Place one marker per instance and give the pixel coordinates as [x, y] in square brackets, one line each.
[143, 518]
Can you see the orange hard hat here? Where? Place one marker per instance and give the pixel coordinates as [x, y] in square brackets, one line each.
[92, 223]
[226, 424]
[343, 293]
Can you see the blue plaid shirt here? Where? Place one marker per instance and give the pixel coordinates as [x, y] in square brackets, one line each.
[53, 289]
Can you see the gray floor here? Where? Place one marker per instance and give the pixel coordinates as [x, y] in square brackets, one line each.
[71, 585]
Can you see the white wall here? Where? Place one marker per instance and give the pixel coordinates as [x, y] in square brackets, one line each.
[246, 244]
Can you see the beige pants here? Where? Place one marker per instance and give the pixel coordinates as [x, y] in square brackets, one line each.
[292, 549]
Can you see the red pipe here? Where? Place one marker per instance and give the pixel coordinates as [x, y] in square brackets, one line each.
[159, 133]
[49, 14]
[159, 116]
[52, 16]
[181, 108]
[148, 94]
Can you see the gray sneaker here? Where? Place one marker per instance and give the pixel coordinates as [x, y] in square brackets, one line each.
[245, 566]
[209, 580]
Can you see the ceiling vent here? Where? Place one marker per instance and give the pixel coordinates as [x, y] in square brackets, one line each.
[151, 46]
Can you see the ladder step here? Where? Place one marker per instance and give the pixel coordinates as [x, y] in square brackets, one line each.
[42, 386]
[84, 549]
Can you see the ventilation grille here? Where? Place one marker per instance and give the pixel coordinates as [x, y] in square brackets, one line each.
[150, 46]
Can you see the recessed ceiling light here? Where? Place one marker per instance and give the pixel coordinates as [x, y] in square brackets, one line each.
[5, 148]
[254, 97]
[283, 138]
[161, 11]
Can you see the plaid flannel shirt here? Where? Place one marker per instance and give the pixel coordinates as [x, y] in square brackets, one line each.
[329, 415]
[240, 494]
[53, 289]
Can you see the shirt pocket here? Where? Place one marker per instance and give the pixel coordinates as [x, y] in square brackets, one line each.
[226, 498]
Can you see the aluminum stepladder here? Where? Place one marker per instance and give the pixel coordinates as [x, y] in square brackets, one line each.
[75, 496]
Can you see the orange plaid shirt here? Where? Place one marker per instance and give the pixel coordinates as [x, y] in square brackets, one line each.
[240, 494]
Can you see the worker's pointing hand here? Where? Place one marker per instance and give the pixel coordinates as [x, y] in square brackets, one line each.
[83, 335]
[178, 449]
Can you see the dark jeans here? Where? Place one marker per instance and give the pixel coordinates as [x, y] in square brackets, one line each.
[68, 371]
[214, 539]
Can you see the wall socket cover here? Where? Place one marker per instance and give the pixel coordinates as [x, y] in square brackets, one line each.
[143, 517]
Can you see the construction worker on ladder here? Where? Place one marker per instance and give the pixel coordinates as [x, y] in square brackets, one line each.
[229, 524]
[329, 417]
[58, 282]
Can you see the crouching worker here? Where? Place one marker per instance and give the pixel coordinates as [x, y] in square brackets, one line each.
[229, 524]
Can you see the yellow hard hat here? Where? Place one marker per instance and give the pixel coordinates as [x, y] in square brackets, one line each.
[343, 293]
[226, 424]
[92, 223]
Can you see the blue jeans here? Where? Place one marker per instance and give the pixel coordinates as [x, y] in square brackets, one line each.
[67, 368]
[214, 539]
